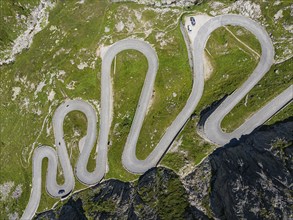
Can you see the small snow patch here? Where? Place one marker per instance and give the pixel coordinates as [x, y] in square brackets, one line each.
[277, 2]
[37, 111]
[138, 15]
[25, 103]
[60, 74]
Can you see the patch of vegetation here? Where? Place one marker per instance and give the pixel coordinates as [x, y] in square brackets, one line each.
[105, 206]
[175, 160]
[167, 196]
[278, 26]
[280, 144]
[128, 72]
[281, 115]
[267, 89]
[206, 205]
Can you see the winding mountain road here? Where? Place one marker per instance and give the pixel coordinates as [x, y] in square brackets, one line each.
[82, 174]
[212, 128]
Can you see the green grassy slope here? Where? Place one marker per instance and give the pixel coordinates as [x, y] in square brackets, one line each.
[63, 61]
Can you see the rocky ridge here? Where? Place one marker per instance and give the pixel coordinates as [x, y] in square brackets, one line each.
[166, 3]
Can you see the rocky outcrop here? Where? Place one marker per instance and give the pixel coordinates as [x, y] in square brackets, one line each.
[37, 20]
[251, 179]
[166, 3]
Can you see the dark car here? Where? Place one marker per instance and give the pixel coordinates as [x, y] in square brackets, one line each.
[61, 191]
[192, 20]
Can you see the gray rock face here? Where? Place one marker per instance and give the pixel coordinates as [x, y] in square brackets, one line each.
[197, 185]
[251, 179]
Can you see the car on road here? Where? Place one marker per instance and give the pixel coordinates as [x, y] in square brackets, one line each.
[189, 28]
[192, 20]
[61, 191]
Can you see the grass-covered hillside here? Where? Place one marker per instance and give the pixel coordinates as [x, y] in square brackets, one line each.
[63, 62]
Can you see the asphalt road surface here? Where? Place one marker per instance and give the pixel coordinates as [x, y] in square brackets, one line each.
[212, 128]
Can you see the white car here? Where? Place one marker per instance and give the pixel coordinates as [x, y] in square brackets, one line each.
[189, 28]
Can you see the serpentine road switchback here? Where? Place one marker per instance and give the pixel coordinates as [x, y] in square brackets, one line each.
[212, 130]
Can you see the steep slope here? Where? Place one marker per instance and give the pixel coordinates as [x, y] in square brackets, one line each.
[251, 179]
